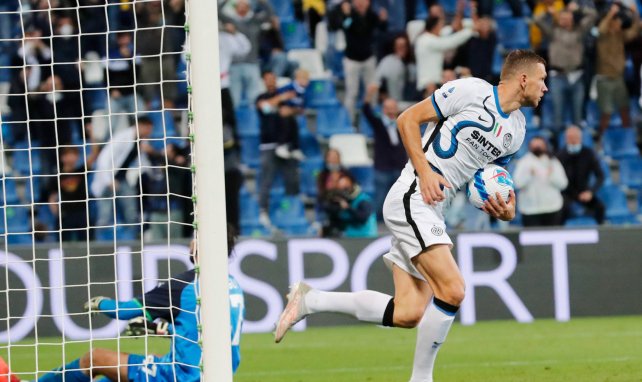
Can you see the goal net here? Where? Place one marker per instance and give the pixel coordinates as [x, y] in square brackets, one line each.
[96, 185]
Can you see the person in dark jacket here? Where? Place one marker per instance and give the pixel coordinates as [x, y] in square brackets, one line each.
[359, 23]
[389, 154]
[581, 164]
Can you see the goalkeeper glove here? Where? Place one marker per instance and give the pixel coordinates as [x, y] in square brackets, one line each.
[93, 305]
[140, 326]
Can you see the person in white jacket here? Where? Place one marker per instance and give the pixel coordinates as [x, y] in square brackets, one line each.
[117, 173]
[540, 179]
[430, 48]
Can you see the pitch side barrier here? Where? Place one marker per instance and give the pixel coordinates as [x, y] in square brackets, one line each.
[520, 275]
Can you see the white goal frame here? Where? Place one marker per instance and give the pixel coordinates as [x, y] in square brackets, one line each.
[209, 213]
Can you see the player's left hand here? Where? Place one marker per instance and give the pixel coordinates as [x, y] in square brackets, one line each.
[500, 209]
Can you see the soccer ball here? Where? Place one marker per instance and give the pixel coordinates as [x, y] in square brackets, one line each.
[486, 182]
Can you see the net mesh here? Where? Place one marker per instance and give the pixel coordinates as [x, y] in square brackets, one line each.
[96, 185]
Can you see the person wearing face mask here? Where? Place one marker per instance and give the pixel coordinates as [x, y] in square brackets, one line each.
[581, 164]
[389, 153]
[329, 176]
[540, 179]
[350, 211]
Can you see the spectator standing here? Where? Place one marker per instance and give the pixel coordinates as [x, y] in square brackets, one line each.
[350, 211]
[611, 90]
[231, 44]
[478, 53]
[359, 23]
[122, 67]
[118, 169]
[289, 109]
[581, 165]
[314, 10]
[68, 195]
[389, 154]
[539, 43]
[53, 113]
[565, 58]
[396, 69]
[267, 105]
[540, 178]
[160, 51]
[245, 72]
[430, 48]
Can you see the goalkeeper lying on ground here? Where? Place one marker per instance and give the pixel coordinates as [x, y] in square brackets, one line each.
[167, 310]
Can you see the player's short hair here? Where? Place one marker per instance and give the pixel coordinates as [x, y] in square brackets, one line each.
[519, 60]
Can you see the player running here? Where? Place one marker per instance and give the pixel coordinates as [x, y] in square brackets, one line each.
[471, 124]
[167, 310]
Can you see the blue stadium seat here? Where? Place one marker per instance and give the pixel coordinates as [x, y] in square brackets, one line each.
[289, 216]
[365, 177]
[582, 221]
[513, 33]
[22, 163]
[283, 9]
[310, 147]
[249, 208]
[321, 93]
[302, 123]
[620, 143]
[364, 126]
[295, 35]
[614, 199]
[310, 169]
[250, 151]
[247, 121]
[333, 120]
[631, 172]
[164, 128]
[608, 179]
[18, 225]
[498, 61]
[9, 185]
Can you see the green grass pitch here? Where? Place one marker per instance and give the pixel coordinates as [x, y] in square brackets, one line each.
[582, 350]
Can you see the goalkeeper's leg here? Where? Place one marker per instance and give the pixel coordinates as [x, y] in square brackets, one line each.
[405, 310]
[108, 363]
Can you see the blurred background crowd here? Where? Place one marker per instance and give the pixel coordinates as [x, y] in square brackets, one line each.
[311, 90]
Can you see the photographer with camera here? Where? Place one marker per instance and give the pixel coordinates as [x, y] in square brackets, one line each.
[350, 211]
[619, 26]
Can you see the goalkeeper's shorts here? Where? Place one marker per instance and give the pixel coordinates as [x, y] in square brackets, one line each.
[149, 369]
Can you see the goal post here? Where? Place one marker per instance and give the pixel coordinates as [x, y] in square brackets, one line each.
[112, 109]
[202, 16]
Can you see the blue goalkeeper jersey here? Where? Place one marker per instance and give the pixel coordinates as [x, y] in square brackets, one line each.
[175, 301]
[237, 313]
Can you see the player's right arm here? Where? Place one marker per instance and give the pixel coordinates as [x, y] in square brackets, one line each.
[408, 124]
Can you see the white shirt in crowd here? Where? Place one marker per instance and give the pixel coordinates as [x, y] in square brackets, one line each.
[429, 53]
[229, 47]
[540, 181]
[112, 157]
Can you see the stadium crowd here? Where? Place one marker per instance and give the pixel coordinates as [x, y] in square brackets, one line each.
[308, 150]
